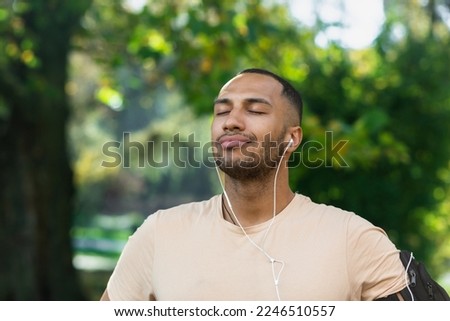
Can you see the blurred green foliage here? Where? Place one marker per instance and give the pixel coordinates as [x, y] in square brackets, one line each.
[154, 71]
[390, 102]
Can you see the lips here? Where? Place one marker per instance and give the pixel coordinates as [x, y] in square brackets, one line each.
[233, 141]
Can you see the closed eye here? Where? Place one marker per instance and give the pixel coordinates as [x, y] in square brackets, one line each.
[256, 112]
[221, 113]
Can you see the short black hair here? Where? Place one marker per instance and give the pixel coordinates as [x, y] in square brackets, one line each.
[289, 91]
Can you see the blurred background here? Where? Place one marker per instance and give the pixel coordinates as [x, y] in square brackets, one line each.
[91, 91]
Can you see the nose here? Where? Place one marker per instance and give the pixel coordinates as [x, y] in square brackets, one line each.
[234, 121]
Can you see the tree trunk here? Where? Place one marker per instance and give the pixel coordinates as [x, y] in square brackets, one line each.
[36, 193]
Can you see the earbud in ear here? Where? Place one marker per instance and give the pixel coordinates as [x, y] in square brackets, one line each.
[289, 144]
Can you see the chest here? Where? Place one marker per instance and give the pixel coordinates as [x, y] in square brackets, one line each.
[223, 267]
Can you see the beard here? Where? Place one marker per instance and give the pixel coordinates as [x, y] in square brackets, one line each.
[255, 162]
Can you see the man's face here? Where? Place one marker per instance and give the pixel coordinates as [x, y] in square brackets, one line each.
[248, 126]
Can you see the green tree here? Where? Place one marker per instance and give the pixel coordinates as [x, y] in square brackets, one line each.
[390, 102]
[392, 105]
[372, 98]
[36, 194]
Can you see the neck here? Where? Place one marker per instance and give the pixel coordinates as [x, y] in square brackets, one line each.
[253, 200]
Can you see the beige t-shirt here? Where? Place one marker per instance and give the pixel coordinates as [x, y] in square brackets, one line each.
[191, 253]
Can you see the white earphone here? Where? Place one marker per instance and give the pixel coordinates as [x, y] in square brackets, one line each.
[289, 144]
[276, 273]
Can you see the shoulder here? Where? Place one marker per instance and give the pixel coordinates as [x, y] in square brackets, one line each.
[185, 212]
[192, 208]
[334, 222]
[328, 213]
[177, 218]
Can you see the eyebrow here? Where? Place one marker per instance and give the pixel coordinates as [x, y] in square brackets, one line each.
[227, 101]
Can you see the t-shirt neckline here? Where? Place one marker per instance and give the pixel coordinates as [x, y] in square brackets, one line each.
[296, 200]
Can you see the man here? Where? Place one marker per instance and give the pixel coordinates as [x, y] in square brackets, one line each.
[258, 240]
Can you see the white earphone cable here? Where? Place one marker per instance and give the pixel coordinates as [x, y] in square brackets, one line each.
[276, 276]
[406, 277]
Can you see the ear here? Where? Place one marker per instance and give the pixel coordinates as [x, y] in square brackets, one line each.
[296, 136]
